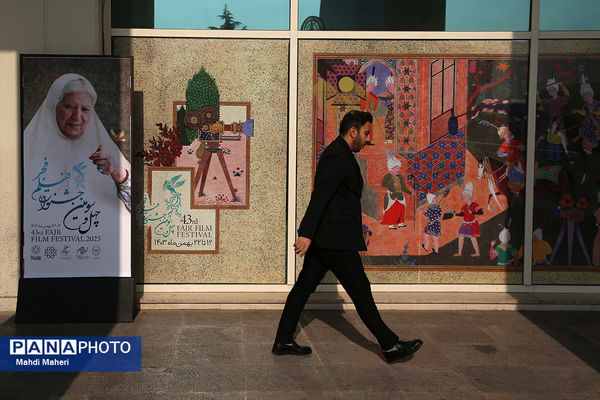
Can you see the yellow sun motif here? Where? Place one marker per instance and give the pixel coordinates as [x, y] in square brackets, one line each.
[346, 84]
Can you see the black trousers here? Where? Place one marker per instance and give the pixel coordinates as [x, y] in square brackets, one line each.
[348, 269]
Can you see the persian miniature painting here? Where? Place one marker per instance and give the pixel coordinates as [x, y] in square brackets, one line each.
[567, 207]
[444, 166]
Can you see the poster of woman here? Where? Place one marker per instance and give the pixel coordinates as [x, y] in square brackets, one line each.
[76, 168]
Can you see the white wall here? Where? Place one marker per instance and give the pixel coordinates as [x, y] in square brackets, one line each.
[32, 27]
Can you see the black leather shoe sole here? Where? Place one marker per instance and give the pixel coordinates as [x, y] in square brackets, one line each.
[293, 349]
[406, 350]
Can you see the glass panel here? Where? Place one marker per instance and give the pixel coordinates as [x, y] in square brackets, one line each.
[477, 15]
[433, 15]
[205, 14]
[454, 123]
[220, 14]
[132, 14]
[566, 247]
[560, 15]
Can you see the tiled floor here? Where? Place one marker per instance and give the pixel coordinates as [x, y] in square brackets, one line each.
[210, 354]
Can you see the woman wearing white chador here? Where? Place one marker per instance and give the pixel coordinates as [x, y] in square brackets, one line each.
[77, 203]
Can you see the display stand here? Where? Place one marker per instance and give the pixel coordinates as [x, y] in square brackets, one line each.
[56, 300]
[76, 224]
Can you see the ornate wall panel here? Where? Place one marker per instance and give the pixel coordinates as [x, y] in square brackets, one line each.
[452, 115]
[214, 203]
[566, 220]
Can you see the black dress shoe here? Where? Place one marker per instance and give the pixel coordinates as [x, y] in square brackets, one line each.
[402, 350]
[293, 349]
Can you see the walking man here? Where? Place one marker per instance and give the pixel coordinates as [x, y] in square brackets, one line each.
[330, 237]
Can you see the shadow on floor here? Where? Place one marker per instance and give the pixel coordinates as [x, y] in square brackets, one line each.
[47, 385]
[335, 319]
[576, 331]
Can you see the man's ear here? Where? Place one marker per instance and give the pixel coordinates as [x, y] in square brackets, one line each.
[352, 132]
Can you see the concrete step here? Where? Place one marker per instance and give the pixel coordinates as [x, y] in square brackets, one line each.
[384, 300]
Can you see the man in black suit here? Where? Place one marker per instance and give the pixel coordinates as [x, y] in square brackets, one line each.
[330, 235]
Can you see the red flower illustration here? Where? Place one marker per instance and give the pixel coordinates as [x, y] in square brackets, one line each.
[164, 148]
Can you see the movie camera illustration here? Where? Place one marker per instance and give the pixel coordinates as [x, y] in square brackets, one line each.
[212, 132]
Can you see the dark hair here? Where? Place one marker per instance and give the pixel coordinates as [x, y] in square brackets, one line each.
[354, 119]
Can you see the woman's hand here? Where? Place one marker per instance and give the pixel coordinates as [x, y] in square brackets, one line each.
[109, 165]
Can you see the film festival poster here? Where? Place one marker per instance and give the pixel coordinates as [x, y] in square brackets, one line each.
[76, 165]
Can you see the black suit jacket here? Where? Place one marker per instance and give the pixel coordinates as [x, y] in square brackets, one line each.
[333, 218]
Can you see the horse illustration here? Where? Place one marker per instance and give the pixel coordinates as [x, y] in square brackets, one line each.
[552, 179]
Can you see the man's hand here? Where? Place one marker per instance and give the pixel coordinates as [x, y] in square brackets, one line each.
[301, 245]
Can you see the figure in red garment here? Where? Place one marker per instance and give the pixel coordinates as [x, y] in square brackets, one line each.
[394, 203]
[515, 164]
[556, 133]
[470, 226]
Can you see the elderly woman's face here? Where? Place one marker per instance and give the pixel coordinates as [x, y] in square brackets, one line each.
[73, 113]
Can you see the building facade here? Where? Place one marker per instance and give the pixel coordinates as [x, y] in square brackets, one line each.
[493, 127]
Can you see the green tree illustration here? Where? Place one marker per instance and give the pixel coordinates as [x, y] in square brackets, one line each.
[228, 21]
[201, 91]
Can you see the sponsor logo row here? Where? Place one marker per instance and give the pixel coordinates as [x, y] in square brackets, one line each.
[66, 252]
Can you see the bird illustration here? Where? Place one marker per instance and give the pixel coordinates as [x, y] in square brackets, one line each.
[118, 137]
